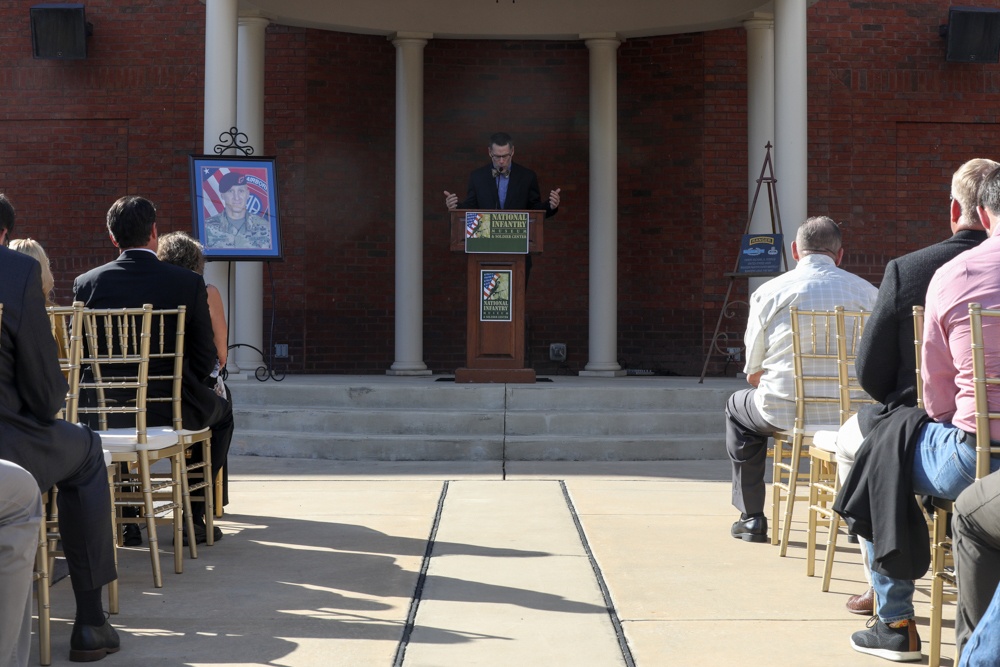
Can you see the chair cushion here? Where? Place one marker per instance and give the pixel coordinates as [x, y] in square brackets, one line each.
[826, 440]
[124, 439]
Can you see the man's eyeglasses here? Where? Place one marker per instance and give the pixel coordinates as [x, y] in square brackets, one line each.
[505, 156]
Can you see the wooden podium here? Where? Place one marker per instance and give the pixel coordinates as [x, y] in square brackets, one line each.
[495, 342]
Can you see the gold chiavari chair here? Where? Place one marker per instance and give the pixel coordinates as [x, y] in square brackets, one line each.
[942, 572]
[817, 408]
[823, 482]
[113, 390]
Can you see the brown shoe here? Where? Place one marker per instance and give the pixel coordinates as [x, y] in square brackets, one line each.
[863, 604]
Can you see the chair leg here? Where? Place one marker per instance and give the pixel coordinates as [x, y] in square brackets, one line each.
[147, 497]
[937, 586]
[793, 479]
[218, 494]
[213, 486]
[113, 607]
[188, 513]
[776, 490]
[831, 550]
[813, 528]
[177, 478]
[42, 593]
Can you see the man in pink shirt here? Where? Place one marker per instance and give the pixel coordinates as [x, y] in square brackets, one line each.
[944, 460]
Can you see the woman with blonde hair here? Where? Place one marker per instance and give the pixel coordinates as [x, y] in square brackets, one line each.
[33, 248]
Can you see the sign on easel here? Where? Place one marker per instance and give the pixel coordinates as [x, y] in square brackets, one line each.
[760, 253]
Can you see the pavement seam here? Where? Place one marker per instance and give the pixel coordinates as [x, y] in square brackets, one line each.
[418, 589]
[599, 576]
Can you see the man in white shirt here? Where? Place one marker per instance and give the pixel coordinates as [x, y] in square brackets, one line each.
[753, 415]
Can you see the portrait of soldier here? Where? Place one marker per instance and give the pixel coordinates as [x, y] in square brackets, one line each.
[235, 226]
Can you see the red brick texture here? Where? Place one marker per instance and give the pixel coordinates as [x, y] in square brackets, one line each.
[889, 121]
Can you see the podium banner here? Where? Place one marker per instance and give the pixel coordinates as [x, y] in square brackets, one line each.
[495, 304]
[496, 232]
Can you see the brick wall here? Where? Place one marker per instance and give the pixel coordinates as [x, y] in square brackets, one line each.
[889, 120]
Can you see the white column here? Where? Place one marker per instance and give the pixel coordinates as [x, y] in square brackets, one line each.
[603, 342]
[246, 323]
[760, 118]
[409, 204]
[220, 99]
[790, 115]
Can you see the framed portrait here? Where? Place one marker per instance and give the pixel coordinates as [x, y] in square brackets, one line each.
[234, 203]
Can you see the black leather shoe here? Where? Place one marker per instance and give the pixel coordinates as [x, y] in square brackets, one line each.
[201, 534]
[92, 642]
[131, 535]
[750, 528]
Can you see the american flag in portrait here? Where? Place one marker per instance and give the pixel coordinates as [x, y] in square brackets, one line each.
[472, 223]
[256, 183]
[490, 281]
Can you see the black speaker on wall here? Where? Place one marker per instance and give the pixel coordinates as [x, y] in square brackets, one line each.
[59, 31]
[973, 35]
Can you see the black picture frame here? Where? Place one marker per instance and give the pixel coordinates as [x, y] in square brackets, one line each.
[254, 237]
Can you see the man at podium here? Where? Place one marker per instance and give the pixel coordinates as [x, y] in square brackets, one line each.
[503, 184]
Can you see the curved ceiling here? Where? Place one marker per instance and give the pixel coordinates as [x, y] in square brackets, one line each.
[510, 19]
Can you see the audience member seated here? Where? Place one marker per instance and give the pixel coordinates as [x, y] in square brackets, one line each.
[753, 415]
[180, 249]
[976, 547]
[930, 454]
[138, 277]
[33, 248]
[20, 518]
[55, 452]
[886, 363]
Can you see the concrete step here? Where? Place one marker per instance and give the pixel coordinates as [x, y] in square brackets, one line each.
[415, 419]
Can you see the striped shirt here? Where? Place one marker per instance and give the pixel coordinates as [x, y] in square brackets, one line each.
[814, 284]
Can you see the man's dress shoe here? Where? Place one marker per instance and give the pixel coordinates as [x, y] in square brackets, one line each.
[863, 604]
[92, 642]
[201, 534]
[750, 528]
[131, 536]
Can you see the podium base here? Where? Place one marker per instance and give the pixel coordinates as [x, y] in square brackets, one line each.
[499, 375]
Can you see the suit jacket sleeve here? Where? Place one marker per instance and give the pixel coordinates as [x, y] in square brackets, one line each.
[40, 381]
[878, 357]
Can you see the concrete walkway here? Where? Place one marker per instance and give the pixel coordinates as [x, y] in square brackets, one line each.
[543, 564]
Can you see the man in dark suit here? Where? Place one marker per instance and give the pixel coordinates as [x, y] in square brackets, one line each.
[503, 184]
[55, 452]
[138, 277]
[886, 362]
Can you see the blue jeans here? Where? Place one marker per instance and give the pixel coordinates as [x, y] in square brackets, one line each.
[983, 650]
[943, 466]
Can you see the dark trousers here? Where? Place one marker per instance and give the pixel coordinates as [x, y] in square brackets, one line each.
[976, 545]
[746, 441]
[75, 464]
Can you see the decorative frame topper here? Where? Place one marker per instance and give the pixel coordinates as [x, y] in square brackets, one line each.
[234, 206]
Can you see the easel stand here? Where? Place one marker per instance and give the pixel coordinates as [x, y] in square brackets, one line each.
[766, 177]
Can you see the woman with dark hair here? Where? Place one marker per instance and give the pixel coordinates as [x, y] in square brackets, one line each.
[180, 249]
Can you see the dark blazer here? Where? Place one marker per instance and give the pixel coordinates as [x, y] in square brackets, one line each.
[137, 277]
[32, 388]
[522, 191]
[55, 452]
[886, 362]
[877, 500]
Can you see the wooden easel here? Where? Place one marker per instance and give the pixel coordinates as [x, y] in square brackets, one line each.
[766, 176]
